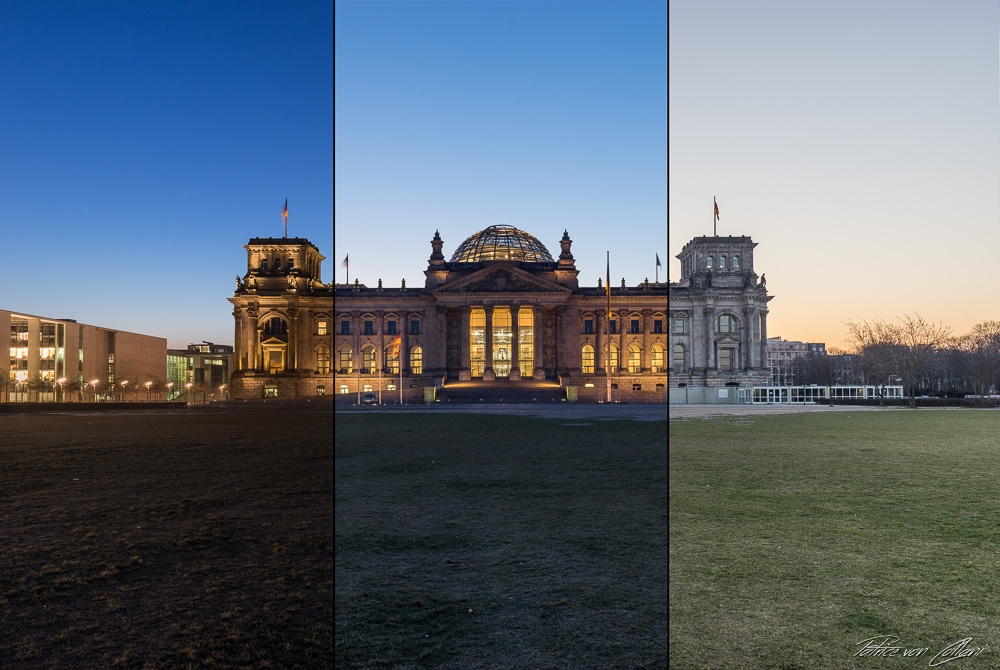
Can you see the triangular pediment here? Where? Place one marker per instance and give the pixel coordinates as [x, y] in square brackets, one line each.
[501, 278]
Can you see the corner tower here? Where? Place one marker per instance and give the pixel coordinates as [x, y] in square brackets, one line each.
[283, 322]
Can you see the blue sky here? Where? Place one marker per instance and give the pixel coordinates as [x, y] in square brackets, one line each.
[145, 142]
[455, 116]
[857, 142]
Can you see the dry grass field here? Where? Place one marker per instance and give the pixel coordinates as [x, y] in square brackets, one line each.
[484, 542]
[173, 541]
[794, 538]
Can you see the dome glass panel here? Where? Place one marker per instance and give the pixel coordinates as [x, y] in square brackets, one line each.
[502, 243]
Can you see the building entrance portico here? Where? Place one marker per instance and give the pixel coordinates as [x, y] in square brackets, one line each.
[498, 345]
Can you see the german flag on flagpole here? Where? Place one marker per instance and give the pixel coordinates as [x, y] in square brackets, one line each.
[284, 215]
[395, 345]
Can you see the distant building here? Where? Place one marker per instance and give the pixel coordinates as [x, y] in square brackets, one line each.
[718, 322]
[62, 360]
[783, 355]
[205, 366]
[284, 316]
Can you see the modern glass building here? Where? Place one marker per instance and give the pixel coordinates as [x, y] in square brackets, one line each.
[62, 360]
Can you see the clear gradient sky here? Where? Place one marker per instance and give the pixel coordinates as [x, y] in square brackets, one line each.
[545, 116]
[857, 142]
[143, 143]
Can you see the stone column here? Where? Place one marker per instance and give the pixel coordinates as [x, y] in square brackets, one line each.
[599, 358]
[237, 339]
[539, 373]
[747, 337]
[515, 369]
[647, 354]
[465, 372]
[488, 374]
[707, 339]
[442, 326]
[380, 342]
[622, 354]
[404, 344]
[292, 348]
[763, 337]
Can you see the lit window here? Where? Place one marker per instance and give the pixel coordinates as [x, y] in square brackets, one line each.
[367, 360]
[368, 388]
[320, 390]
[634, 359]
[321, 328]
[346, 360]
[613, 357]
[391, 362]
[391, 386]
[343, 388]
[323, 360]
[270, 391]
[587, 357]
[416, 360]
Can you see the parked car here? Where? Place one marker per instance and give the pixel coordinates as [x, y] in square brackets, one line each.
[369, 399]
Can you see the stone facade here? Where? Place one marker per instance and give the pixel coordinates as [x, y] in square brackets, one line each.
[283, 317]
[464, 324]
[718, 317]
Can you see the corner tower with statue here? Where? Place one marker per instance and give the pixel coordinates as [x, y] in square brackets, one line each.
[283, 317]
[502, 316]
[718, 315]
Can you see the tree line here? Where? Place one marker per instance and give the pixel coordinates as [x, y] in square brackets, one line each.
[926, 358]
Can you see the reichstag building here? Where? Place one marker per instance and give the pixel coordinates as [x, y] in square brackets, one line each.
[718, 314]
[502, 311]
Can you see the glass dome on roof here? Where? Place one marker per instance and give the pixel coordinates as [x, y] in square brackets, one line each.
[501, 243]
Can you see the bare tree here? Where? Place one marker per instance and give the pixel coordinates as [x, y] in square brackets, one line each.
[919, 340]
[877, 346]
[982, 346]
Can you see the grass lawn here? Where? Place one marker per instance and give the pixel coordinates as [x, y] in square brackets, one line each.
[171, 541]
[476, 541]
[795, 537]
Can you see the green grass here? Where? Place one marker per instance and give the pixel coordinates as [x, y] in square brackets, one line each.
[794, 537]
[553, 535]
[166, 541]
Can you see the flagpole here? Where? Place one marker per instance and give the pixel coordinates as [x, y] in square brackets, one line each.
[715, 216]
[285, 216]
[607, 357]
[399, 359]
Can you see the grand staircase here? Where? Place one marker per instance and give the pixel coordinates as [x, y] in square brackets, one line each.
[501, 391]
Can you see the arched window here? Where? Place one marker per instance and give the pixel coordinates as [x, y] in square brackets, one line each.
[657, 363]
[679, 361]
[722, 262]
[346, 360]
[726, 324]
[276, 327]
[323, 360]
[416, 360]
[263, 265]
[391, 362]
[613, 357]
[634, 358]
[367, 359]
[708, 263]
[736, 262]
[291, 264]
[587, 359]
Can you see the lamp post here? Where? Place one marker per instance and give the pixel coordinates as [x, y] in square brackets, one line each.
[93, 382]
[170, 386]
[61, 381]
[222, 392]
[148, 384]
[124, 382]
[188, 387]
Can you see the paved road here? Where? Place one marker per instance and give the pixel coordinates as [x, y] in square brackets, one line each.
[688, 411]
[555, 411]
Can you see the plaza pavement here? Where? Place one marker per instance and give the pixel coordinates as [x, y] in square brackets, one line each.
[549, 411]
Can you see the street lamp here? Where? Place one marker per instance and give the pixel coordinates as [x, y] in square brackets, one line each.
[93, 382]
[61, 381]
[148, 384]
[170, 386]
[222, 391]
[188, 387]
[124, 382]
